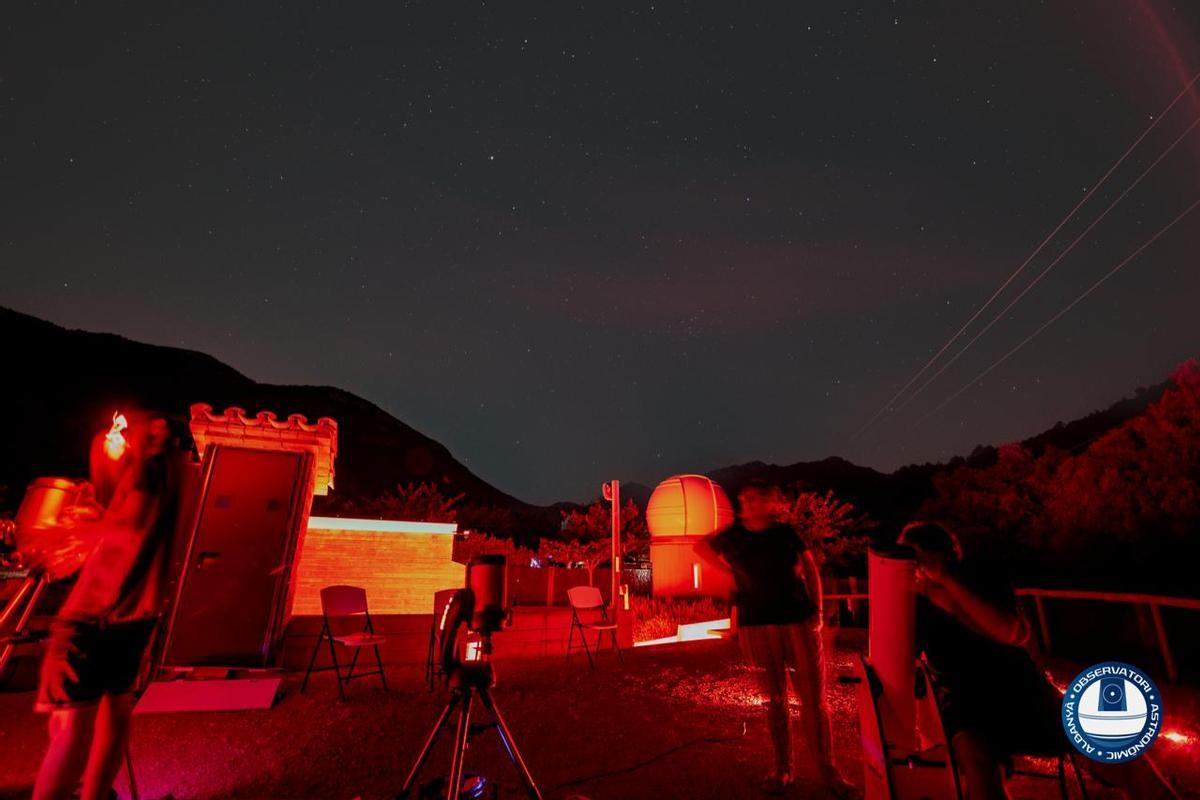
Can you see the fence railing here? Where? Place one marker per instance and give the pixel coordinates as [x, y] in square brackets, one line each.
[1153, 601]
[1039, 596]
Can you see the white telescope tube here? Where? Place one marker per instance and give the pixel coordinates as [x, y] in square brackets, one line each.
[891, 636]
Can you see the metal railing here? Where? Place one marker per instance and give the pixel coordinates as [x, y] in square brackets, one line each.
[1153, 601]
[1039, 596]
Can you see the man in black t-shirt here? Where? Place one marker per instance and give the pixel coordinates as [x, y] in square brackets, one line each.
[778, 598]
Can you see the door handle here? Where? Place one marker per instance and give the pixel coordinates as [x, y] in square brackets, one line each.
[206, 559]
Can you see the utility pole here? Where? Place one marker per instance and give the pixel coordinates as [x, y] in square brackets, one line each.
[612, 493]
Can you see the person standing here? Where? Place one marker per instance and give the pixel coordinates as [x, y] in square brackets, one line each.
[778, 601]
[100, 636]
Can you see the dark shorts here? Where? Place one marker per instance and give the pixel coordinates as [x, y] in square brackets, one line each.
[1025, 719]
[106, 659]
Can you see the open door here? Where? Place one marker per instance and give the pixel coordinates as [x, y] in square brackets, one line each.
[230, 597]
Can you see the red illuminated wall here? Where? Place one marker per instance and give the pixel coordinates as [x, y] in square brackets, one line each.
[400, 564]
[678, 571]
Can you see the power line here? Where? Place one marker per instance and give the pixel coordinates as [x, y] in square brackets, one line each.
[884, 408]
[1049, 267]
[1058, 315]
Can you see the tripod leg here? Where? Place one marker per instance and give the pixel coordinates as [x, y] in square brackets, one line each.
[430, 741]
[31, 588]
[509, 745]
[14, 602]
[461, 737]
[10, 610]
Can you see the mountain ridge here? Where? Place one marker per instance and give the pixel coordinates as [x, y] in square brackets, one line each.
[892, 498]
[64, 388]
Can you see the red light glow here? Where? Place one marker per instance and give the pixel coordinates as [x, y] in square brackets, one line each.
[114, 441]
[692, 632]
[1179, 737]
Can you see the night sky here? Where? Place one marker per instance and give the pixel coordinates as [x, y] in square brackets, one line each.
[574, 243]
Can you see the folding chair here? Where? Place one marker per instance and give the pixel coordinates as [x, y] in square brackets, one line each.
[346, 601]
[440, 600]
[587, 600]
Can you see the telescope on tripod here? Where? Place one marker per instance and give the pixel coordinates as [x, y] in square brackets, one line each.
[49, 548]
[482, 607]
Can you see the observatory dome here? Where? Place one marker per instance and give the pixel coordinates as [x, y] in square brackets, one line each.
[687, 505]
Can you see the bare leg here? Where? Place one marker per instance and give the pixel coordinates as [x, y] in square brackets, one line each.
[1139, 779]
[108, 746]
[809, 682]
[70, 740]
[978, 768]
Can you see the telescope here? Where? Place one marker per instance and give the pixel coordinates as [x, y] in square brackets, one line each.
[482, 607]
[905, 752]
[49, 548]
[487, 582]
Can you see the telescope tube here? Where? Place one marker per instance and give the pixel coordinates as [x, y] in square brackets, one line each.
[891, 637]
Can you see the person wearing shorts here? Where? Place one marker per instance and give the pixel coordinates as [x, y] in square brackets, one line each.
[974, 638]
[101, 635]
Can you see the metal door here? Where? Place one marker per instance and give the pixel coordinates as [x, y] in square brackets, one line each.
[238, 562]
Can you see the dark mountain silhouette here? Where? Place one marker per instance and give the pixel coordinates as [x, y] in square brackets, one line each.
[63, 385]
[886, 497]
[894, 498]
[1075, 435]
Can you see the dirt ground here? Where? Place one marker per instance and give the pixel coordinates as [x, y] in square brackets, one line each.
[674, 722]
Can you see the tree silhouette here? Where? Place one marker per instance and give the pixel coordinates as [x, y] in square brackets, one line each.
[416, 502]
[478, 543]
[1134, 489]
[834, 529]
[585, 536]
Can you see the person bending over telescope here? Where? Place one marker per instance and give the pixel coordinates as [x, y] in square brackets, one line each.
[778, 601]
[100, 637]
[994, 699]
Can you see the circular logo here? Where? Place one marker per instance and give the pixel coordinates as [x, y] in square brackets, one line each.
[1112, 712]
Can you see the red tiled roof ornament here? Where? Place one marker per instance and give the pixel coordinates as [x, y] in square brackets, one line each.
[265, 431]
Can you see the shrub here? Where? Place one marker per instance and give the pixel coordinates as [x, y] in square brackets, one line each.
[656, 617]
